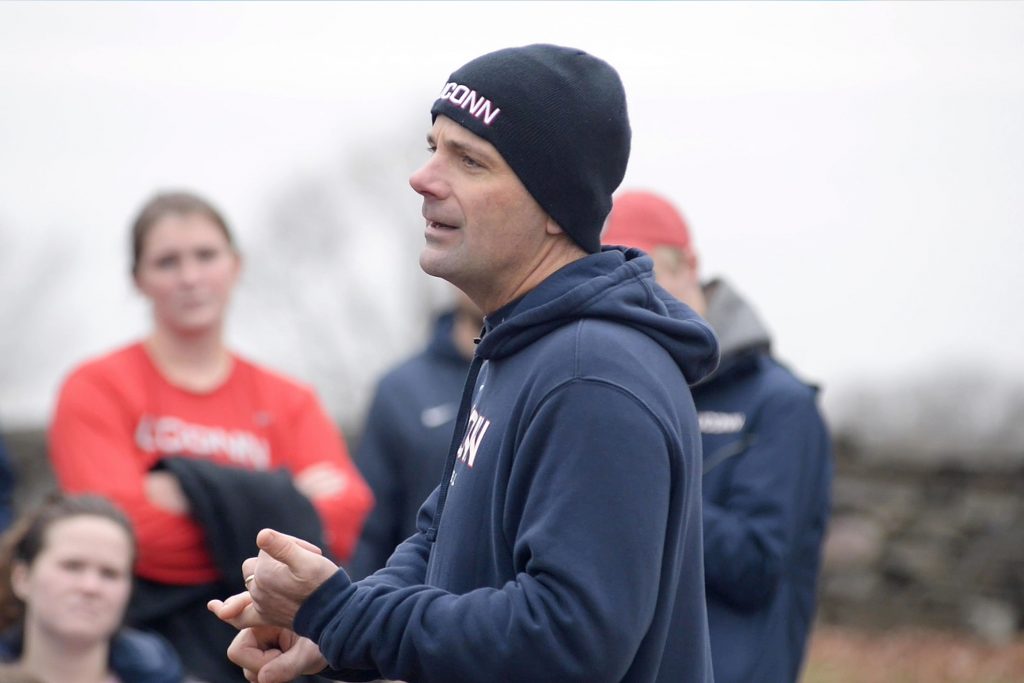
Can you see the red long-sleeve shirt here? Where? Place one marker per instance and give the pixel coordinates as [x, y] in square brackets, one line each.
[117, 415]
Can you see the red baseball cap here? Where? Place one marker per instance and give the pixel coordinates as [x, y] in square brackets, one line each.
[645, 220]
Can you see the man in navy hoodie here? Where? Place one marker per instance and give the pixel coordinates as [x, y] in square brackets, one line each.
[767, 464]
[564, 541]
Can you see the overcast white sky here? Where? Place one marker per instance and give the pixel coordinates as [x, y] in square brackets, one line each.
[854, 168]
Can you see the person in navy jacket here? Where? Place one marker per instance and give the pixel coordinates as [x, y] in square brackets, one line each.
[767, 464]
[403, 446]
[564, 542]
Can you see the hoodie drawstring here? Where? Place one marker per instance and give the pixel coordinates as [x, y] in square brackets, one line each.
[461, 424]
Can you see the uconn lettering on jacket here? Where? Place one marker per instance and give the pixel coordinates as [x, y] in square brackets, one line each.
[475, 431]
[174, 436]
[465, 98]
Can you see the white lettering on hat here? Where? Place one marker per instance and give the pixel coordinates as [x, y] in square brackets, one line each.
[464, 97]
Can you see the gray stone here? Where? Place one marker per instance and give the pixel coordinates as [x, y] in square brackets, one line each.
[853, 542]
[994, 621]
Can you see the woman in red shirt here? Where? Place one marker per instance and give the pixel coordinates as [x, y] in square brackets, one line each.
[195, 442]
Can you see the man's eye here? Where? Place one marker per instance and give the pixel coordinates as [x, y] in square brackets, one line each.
[166, 262]
[431, 148]
[470, 161]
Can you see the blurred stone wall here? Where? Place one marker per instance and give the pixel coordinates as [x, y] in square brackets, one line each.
[917, 544]
[32, 471]
[910, 544]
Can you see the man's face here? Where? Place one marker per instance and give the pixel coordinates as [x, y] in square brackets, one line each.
[484, 232]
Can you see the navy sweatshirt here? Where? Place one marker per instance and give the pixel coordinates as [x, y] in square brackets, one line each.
[568, 533]
[768, 464]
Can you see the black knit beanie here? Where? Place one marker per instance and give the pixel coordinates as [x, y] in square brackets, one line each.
[558, 117]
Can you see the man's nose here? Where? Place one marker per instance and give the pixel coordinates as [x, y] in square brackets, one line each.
[427, 180]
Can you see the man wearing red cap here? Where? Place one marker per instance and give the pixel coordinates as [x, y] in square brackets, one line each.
[767, 464]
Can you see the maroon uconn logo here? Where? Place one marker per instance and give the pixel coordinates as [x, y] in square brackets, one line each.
[465, 98]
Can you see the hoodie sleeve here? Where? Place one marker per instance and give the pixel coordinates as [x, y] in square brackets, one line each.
[586, 518]
[407, 565]
[773, 492]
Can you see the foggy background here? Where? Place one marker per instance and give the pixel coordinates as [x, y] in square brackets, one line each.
[854, 168]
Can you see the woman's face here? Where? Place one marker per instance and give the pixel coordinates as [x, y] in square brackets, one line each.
[187, 269]
[78, 586]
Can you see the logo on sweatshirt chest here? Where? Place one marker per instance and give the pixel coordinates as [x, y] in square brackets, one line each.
[169, 435]
[475, 431]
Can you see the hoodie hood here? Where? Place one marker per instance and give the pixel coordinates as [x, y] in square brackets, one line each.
[737, 326]
[617, 285]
